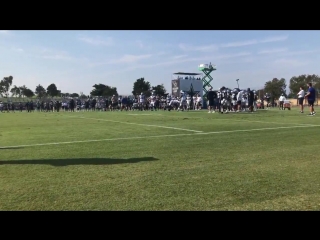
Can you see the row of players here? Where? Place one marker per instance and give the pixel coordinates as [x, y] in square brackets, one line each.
[224, 100]
[155, 102]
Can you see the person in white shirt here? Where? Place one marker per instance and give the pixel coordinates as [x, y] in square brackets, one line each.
[194, 102]
[239, 100]
[183, 98]
[199, 102]
[301, 98]
[281, 101]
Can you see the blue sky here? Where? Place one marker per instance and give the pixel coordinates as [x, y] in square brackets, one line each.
[76, 60]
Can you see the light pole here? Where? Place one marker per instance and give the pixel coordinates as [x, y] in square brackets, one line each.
[238, 82]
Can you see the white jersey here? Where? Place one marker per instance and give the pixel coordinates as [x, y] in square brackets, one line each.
[240, 96]
[183, 97]
[152, 101]
[188, 99]
[199, 99]
[194, 99]
[141, 98]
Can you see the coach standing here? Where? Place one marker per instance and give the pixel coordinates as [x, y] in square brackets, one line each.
[301, 98]
[311, 96]
[281, 101]
[210, 98]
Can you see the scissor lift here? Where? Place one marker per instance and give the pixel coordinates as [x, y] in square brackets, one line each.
[207, 69]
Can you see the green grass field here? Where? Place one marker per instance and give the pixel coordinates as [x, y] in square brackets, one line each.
[268, 160]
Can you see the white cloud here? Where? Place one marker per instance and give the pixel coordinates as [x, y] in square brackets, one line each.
[214, 47]
[294, 53]
[97, 41]
[270, 51]
[180, 56]
[254, 41]
[132, 58]
[227, 56]
[124, 59]
[274, 39]
[54, 54]
[204, 48]
[239, 44]
[185, 59]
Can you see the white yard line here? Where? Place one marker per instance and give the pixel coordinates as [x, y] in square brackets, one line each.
[140, 124]
[159, 136]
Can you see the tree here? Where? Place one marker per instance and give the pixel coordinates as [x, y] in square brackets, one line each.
[159, 90]
[141, 86]
[40, 91]
[65, 95]
[292, 95]
[15, 91]
[103, 90]
[52, 90]
[303, 80]
[2, 92]
[28, 93]
[22, 89]
[275, 87]
[74, 95]
[5, 85]
[260, 93]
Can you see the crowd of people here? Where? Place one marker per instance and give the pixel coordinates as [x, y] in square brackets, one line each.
[224, 100]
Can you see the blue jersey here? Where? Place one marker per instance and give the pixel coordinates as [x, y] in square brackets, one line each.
[124, 100]
[312, 95]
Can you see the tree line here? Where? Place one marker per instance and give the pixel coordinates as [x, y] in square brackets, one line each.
[6, 89]
[99, 90]
[139, 86]
[274, 87]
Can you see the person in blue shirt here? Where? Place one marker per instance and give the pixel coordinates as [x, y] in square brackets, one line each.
[124, 103]
[311, 96]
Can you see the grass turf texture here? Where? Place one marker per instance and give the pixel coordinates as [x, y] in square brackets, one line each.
[272, 165]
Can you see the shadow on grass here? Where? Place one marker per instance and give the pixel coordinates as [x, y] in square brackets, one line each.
[77, 161]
